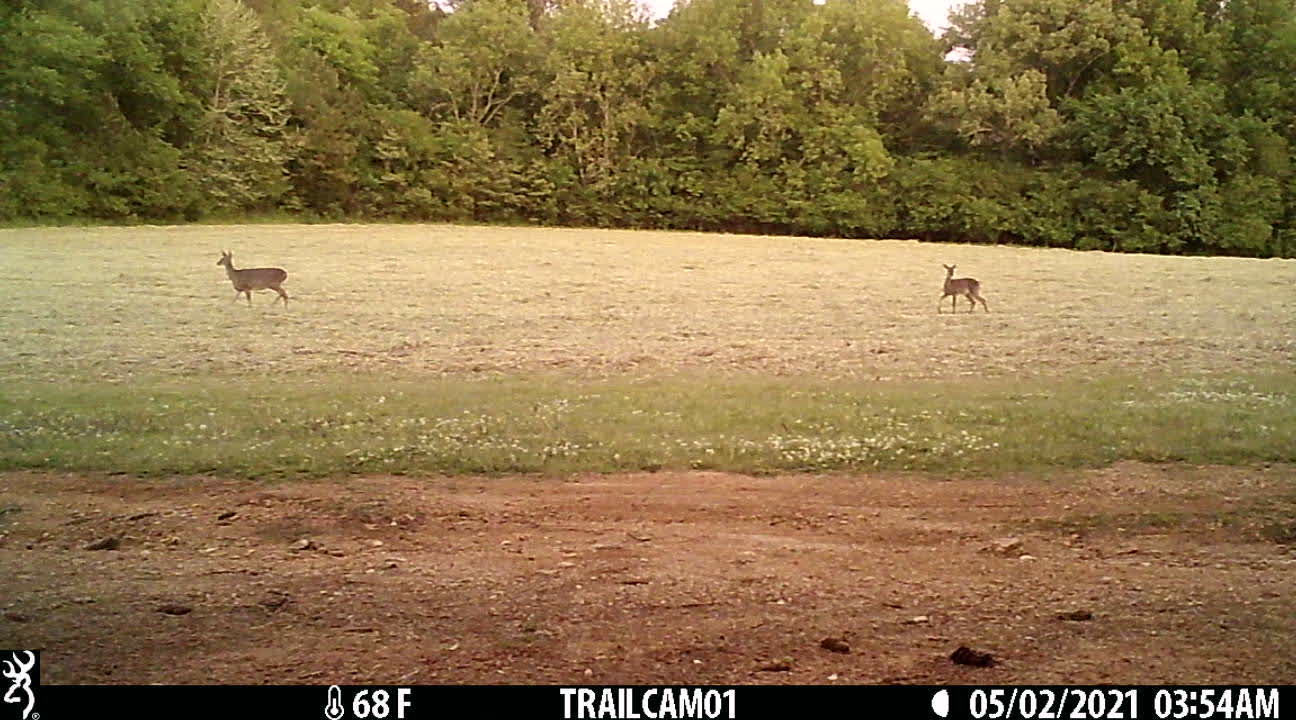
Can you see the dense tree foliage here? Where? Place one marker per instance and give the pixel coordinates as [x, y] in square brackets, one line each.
[1132, 125]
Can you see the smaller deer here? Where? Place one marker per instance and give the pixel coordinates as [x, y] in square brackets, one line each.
[967, 287]
[249, 279]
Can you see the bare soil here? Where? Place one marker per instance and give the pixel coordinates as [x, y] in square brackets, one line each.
[651, 578]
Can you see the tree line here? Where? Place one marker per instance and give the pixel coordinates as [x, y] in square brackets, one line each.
[1131, 125]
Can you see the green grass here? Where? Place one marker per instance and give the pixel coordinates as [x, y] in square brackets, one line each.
[310, 425]
[437, 348]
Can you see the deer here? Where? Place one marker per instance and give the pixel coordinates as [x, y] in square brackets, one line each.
[967, 287]
[249, 279]
[19, 673]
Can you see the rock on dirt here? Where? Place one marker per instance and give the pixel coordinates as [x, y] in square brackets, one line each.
[836, 645]
[1005, 546]
[174, 609]
[967, 656]
[784, 665]
[1076, 616]
[275, 601]
[108, 543]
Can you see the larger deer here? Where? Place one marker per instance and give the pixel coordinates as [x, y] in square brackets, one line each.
[249, 279]
[967, 287]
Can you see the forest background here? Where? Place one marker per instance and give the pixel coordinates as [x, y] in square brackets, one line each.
[1131, 125]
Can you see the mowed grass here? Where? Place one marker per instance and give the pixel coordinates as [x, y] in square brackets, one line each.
[549, 424]
[466, 349]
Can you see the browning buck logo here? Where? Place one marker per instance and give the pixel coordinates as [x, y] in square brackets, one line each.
[19, 673]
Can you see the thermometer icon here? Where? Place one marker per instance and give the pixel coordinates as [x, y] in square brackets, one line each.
[333, 710]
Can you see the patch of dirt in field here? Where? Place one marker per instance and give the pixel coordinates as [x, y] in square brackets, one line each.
[655, 578]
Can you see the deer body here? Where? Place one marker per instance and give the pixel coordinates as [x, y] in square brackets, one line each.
[967, 287]
[249, 279]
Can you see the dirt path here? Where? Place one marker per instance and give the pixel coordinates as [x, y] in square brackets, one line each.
[651, 578]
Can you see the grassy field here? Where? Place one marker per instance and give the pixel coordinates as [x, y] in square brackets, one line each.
[454, 349]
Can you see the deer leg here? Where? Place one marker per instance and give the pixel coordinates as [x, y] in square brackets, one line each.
[282, 294]
[249, 297]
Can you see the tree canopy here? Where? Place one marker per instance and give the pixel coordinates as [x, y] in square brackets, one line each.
[1129, 125]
